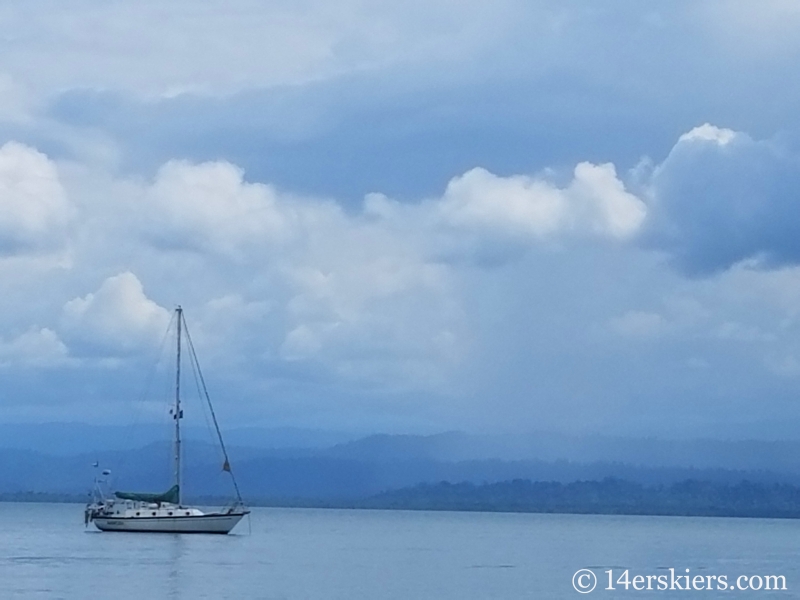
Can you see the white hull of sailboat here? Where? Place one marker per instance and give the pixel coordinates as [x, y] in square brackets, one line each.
[208, 523]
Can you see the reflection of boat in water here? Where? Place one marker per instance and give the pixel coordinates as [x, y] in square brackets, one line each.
[133, 511]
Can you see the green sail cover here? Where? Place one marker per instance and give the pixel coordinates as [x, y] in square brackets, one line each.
[170, 496]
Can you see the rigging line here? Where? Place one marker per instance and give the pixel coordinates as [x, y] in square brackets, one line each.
[193, 355]
[205, 408]
[129, 432]
[158, 359]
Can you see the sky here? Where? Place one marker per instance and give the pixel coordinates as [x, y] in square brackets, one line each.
[509, 216]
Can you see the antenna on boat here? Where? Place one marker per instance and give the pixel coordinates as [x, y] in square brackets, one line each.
[178, 414]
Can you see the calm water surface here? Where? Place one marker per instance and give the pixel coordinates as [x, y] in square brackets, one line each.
[45, 552]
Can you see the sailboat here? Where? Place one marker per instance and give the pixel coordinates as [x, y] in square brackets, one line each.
[166, 512]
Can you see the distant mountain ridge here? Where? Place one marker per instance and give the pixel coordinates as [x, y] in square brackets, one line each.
[779, 456]
[70, 439]
[270, 467]
[76, 438]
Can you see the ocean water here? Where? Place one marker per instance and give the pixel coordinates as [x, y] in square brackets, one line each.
[293, 554]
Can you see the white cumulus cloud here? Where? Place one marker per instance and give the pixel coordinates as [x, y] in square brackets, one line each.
[35, 348]
[709, 133]
[209, 206]
[34, 209]
[595, 201]
[117, 317]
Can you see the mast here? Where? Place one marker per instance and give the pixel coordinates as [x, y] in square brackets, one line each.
[178, 414]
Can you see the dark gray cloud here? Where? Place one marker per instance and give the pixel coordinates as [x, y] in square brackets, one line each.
[345, 139]
[558, 86]
[721, 197]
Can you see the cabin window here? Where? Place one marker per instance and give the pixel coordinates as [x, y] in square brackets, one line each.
[187, 513]
[154, 514]
[170, 513]
[137, 513]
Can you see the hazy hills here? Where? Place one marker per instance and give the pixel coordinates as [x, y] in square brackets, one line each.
[779, 456]
[295, 463]
[77, 438]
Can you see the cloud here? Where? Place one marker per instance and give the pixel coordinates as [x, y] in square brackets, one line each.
[40, 348]
[784, 366]
[730, 330]
[767, 29]
[117, 318]
[34, 210]
[209, 206]
[303, 342]
[709, 133]
[491, 219]
[379, 319]
[639, 324]
[720, 198]
[372, 288]
[595, 202]
[371, 294]
[290, 279]
[303, 293]
[395, 102]
[520, 291]
[365, 301]
[230, 45]
[15, 101]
